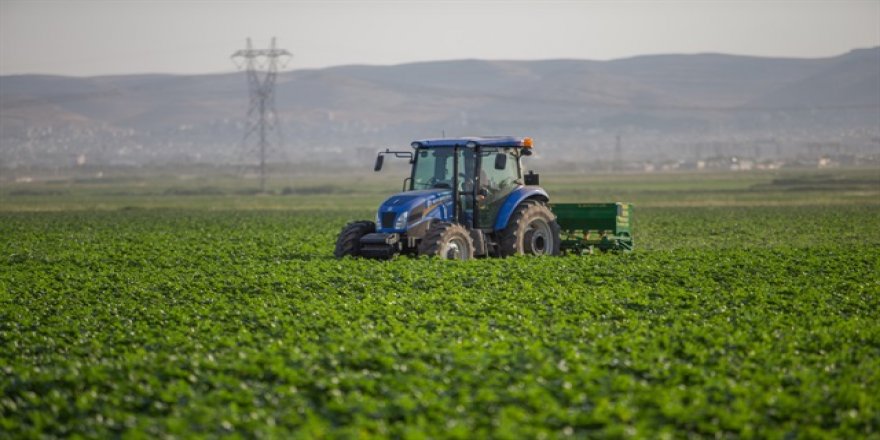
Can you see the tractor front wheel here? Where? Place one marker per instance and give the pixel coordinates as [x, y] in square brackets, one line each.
[349, 241]
[531, 230]
[447, 241]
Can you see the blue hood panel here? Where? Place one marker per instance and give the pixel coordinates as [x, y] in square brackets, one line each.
[409, 196]
[420, 204]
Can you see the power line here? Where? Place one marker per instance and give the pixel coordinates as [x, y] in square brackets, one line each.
[261, 68]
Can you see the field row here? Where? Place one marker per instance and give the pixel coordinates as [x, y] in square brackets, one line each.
[151, 323]
[344, 191]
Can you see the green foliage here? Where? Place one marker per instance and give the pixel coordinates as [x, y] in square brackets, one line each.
[733, 322]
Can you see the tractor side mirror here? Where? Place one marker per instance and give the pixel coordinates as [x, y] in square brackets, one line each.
[379, 160]
[500, 161]
[531, 178]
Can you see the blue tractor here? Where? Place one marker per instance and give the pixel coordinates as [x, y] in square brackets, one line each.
[465, 198]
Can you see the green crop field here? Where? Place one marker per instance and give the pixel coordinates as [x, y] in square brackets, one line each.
[142, 308]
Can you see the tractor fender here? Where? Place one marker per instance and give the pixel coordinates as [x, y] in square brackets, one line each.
[514, 199]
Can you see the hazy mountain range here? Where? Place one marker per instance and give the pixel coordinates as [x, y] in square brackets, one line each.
[649, 107]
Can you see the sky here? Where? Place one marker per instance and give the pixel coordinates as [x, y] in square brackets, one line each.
[108, 37]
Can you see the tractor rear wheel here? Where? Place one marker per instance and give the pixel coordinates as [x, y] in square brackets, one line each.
[447, 241]
[531, 230]
[349, 241]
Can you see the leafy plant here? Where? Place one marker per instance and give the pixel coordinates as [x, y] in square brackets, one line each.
[732, 322]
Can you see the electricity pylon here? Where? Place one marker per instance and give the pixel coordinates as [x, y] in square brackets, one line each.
[261, 67]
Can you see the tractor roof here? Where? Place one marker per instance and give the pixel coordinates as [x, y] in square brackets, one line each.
[483, 141]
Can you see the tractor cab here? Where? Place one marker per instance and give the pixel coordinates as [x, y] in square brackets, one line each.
[485, 176]
[465, 197]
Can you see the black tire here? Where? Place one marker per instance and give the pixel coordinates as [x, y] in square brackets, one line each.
[531, 230]
[447, 241]
[349, 241]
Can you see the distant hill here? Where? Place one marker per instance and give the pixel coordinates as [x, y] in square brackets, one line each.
[852, 80]
[662, 106]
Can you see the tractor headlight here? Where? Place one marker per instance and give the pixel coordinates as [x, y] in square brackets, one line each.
[400, 223]
[378, 220]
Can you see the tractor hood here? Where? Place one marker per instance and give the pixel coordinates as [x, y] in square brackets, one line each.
[416, 207]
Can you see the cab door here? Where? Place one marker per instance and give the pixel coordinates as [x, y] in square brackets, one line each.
[499, 176]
